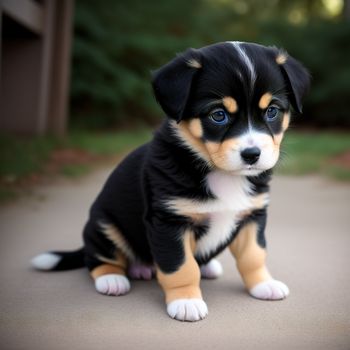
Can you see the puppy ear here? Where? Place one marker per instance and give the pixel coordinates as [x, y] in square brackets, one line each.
[172, 83]
[298, 79]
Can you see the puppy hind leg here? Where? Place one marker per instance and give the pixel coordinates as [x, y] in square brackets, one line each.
[106, 263]
[110, 279]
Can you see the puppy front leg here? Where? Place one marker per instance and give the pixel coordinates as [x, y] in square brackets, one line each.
[250, 258]
[181, 287]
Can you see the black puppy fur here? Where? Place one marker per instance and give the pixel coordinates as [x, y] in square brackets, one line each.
[138, 197]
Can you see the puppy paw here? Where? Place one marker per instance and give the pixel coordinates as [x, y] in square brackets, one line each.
[270, 290]
[213, 269]
[139, 271]
[112, 284]
[187, 309]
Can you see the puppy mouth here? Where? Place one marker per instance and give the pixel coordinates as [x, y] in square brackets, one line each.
[250, 170]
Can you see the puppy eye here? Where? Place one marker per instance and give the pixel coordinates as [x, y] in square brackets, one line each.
[219, 117]
[272, 113]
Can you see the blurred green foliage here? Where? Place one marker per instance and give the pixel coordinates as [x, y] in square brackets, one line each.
[118, 43]
[315, 153]
[19, 170]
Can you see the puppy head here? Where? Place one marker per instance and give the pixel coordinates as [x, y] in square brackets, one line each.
[231, 102]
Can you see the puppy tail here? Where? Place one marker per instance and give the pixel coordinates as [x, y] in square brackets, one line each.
[59, 261]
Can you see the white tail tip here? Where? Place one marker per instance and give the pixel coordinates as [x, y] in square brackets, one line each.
[45, 261]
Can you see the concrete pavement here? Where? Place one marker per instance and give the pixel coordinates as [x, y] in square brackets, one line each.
[309, 249]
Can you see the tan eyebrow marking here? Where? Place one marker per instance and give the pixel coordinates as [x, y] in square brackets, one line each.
[230, 104]
[281, 58]
[194, 63]
[265, 100]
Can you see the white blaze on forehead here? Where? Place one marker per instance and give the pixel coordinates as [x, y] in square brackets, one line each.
[247, 61]
[254, 138]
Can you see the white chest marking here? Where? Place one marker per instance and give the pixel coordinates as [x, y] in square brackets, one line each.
[232, 192]
[232, 197]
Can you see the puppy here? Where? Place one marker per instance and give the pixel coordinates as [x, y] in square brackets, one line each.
[201, 184]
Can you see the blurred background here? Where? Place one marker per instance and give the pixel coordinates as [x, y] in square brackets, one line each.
[116, 46]
[75, 77]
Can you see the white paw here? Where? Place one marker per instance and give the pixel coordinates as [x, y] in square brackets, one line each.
[213, 269]
[270, 290]
[187, 309]
[112, 284]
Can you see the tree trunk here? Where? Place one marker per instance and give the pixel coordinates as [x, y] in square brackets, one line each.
[346, 10]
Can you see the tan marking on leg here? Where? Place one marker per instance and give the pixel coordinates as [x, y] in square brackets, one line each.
[250, 256]
[196, 145]
[265, 100]
[281, 58]
[107, 269]
[184, 283]
[118, 266]
[192, 243]
[195, 127]
[230, 104]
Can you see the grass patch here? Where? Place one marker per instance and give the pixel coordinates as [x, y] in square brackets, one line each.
[338, 173]
[107, 143]
[308, 153]
[7, 194]
[75, 170]
[21, 157]
[24, 161]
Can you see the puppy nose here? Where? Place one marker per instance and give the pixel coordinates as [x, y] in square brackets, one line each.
[250, 155]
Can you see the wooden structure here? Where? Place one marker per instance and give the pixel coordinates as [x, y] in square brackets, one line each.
[34, 65]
